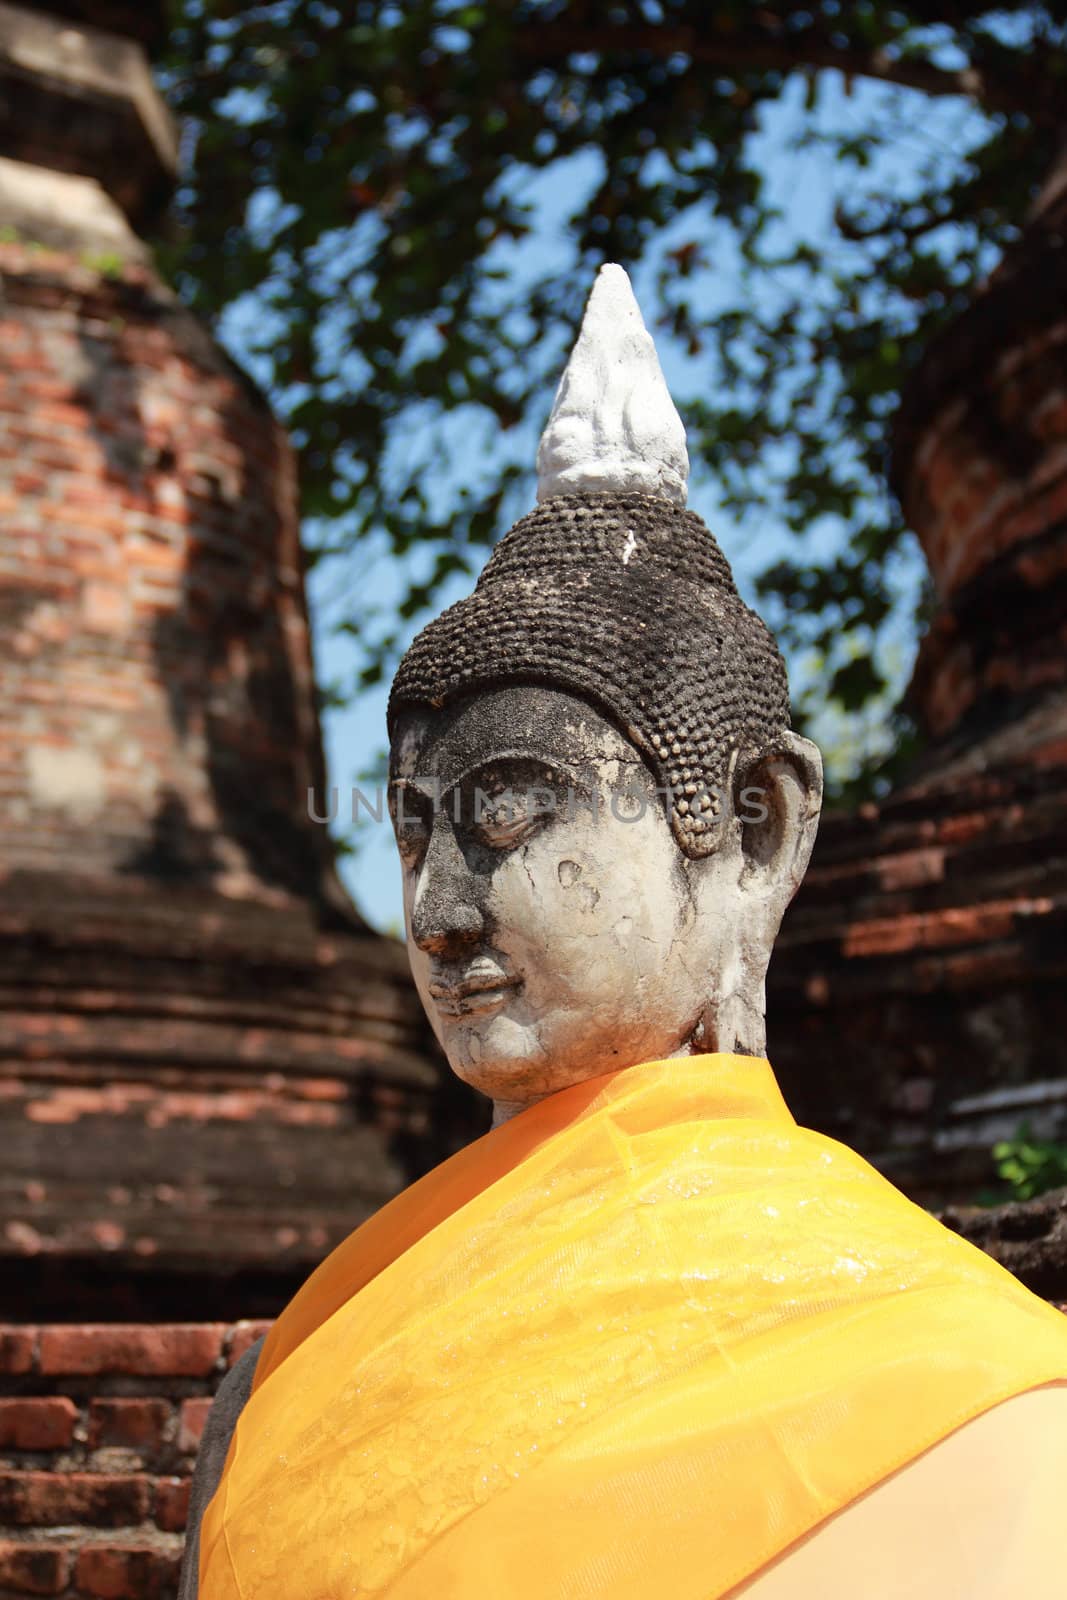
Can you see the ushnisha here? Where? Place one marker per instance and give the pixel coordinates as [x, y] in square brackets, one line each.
[647, 1336]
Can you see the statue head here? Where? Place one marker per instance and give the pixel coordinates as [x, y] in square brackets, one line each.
[601, 810]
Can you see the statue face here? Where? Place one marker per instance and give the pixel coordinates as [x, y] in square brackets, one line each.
[555, 930]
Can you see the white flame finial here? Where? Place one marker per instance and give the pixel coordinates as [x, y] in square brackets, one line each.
[613, 424]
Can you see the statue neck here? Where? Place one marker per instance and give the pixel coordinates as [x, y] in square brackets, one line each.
[737, 1027]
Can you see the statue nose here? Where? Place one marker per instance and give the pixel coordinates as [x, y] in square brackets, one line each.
[456, 926]
[445, 914]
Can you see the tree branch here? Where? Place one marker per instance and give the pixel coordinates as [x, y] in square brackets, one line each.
[770, 49]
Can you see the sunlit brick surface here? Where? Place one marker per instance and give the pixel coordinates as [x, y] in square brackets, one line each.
[98, 1437]
[155, 674]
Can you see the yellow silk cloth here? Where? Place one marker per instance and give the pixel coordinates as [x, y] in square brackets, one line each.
[634, 1342]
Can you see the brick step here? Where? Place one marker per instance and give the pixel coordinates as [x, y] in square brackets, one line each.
[104, 1569]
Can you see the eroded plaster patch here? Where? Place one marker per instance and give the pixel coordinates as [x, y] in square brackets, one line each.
[69, 779]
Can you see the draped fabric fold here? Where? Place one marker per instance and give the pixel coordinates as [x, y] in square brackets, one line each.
[635, 1341]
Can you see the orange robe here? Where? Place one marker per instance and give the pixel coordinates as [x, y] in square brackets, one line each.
[638, 1340]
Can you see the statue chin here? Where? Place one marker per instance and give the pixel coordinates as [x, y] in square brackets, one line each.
[516, 1056]
[494, 1054]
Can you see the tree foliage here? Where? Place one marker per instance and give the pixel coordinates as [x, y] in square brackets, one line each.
[374, 171]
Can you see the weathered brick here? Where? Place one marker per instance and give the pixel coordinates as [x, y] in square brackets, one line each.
[29, 482]
[243, 1336]
[126, 1572]
[33, 1569]
[97, 470]
[17, 1349]
[193, 1416]
[172, 1503]
[50, 1500]
[953, 925]
[911, 868]
[37, 1423]
[137, 1424]
[105, 608]
[177, 1349]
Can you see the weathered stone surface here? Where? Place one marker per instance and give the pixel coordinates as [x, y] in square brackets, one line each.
[65, 212]
[77, 99]
[626, 602]
[145, 21]
[1029, 1237]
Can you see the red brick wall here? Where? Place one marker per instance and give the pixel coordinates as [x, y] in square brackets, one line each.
[99, 1427]
[156, 691]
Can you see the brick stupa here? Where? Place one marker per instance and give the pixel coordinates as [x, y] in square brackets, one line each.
[210, 1068]
[918, 996]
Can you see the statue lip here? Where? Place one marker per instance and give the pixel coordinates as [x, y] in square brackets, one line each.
[483, 984]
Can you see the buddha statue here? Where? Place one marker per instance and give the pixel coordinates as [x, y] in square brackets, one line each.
[646, 1336]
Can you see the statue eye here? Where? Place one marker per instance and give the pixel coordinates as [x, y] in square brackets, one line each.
[509, 819]
[509, 807]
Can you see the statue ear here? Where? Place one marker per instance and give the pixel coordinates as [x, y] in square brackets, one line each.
[777, 804]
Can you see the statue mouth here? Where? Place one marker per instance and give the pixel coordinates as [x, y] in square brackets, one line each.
[482, 987]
